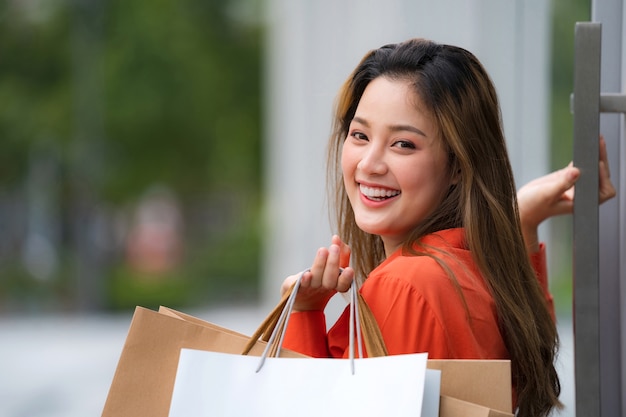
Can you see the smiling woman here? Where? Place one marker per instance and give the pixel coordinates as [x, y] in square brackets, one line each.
[427, 213]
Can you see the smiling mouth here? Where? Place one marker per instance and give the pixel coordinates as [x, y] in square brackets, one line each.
[378, 194]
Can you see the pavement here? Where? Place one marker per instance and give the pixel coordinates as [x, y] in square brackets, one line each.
[63, 365]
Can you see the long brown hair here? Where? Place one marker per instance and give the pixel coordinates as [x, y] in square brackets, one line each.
[456, 89]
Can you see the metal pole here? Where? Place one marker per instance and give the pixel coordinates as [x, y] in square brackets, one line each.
[586, 229]
[612, 263]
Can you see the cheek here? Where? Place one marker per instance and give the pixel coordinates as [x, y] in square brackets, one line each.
[440, 170]
[348, 160]
[431, 178]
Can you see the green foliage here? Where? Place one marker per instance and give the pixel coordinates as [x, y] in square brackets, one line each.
[34, 86]
[178, 84]
[181, 97]
[122, 96]
[127, 289]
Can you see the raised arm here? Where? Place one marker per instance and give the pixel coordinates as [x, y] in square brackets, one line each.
[553, 195]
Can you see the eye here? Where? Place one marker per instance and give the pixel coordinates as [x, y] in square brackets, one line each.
[358, 135]
[404, 144]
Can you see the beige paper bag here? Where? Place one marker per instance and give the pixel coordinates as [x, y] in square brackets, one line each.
[453, 407]
[482, 382]
[143, 381]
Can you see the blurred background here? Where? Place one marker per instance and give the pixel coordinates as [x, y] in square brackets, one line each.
[130, 153]
[138, 142]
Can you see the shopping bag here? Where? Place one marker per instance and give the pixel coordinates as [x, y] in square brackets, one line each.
[474, 388]
[453, 407]
[226, 385]
[144, 378]
[211, 383]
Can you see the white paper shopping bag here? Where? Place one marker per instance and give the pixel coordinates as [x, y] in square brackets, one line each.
[219, 384]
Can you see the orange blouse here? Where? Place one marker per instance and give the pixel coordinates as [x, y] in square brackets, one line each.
[418, 307]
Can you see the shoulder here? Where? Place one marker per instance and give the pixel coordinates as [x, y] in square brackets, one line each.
[440, 266]
[435, 260]
[418, 274]
[409, 305]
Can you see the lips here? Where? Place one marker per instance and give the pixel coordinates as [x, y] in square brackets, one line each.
[378, 193]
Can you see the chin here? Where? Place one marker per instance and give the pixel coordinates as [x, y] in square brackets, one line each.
[370, 228]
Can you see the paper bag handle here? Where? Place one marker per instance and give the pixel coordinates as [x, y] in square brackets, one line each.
[266, 328]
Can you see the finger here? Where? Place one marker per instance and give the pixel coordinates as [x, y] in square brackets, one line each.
[318, 267]
[344, 251]
[287, 283]
[603, 155]
[564, 206]
[571, 174]
[560, 183]
[345, 280]
[305, 281]
[607, 190]
[331, 270]
[568, 195]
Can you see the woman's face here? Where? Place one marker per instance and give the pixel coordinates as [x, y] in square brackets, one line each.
[394, 162]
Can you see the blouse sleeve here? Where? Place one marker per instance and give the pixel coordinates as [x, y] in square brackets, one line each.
[538, 261]
[306, 334]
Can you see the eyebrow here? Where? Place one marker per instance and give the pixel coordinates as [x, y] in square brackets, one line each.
[393, 128]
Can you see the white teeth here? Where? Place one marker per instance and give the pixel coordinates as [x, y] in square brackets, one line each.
[378, 192]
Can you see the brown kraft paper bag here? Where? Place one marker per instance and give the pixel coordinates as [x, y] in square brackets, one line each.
[144, 379]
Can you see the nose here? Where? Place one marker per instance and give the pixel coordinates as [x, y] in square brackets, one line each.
[373, 161]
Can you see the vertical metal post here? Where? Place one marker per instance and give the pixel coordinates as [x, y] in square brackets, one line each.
[612, 15]
[586, 225]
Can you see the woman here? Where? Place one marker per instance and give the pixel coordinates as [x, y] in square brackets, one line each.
[427, 212]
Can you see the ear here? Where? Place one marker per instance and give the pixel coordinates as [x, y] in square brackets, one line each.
[455, 171]
[455, 177]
